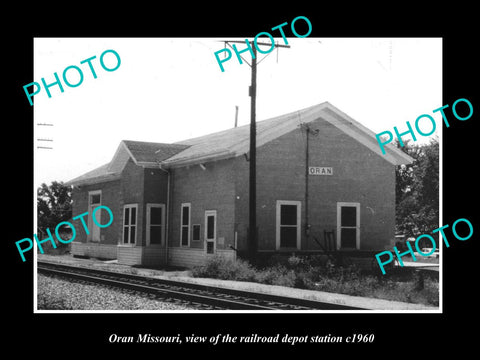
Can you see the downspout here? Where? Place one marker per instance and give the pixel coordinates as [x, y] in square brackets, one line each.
[307, 224]
[167, 218]
[307, 174]
[167, 211]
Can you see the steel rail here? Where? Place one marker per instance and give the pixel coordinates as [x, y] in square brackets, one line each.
[202, 294]
[185, 296]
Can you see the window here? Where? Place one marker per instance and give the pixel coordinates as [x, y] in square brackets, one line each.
[185, 225]
[288, 224]
[348, 225]
[155, 224]
[129, 224]
[196, 232]
[95, 197]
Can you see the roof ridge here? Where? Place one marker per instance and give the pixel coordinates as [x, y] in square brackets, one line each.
[273, 118]
[234, 141]
[148, 142]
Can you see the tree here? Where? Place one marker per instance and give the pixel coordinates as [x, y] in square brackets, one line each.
[417, 190]
[54, 205]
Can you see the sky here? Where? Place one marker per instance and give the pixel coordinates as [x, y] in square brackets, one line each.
[169, 89]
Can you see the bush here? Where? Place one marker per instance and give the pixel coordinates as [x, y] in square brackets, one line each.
[209, 268]
[225, 269]
[305, 280]
[318, 273]
[287, 279]
[322, 261]
[269, 275]
[277, 259]
[295, 262]
[239, 270]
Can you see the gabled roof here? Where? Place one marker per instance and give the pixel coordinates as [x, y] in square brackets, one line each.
[146, 154]
[236, 141]
[233, 142]
[150, 153]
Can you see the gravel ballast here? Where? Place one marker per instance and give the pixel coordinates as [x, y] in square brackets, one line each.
[185, 276]
[58, 294]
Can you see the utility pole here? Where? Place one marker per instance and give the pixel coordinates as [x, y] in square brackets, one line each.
[252, 207]
[252, 211]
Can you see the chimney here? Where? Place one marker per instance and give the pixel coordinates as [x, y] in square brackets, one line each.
[236, 115]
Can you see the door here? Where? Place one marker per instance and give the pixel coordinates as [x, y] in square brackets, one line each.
[95, 200]
[155, 224]
[348, 225]
[210, 231]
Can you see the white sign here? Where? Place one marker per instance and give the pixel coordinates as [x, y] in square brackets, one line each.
[317, 170]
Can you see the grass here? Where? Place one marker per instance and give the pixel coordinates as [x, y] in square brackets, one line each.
[317, 273]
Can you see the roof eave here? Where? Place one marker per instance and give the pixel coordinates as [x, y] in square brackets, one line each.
[148, 164]
[93, 181]
[399, 157]
[171, 164]
[393, 155]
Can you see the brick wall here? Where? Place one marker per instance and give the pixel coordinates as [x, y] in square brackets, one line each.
[359, 175]
[132, 190]
[111, 197]
[241, 167]
[155, 183]
[210, 189]
[280, 176]
[150, 188]
[136, 186]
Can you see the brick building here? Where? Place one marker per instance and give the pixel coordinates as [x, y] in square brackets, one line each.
[317, 170]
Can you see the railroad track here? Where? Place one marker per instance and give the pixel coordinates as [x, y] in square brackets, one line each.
[196, 295]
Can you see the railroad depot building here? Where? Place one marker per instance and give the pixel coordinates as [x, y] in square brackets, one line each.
[318, 171]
